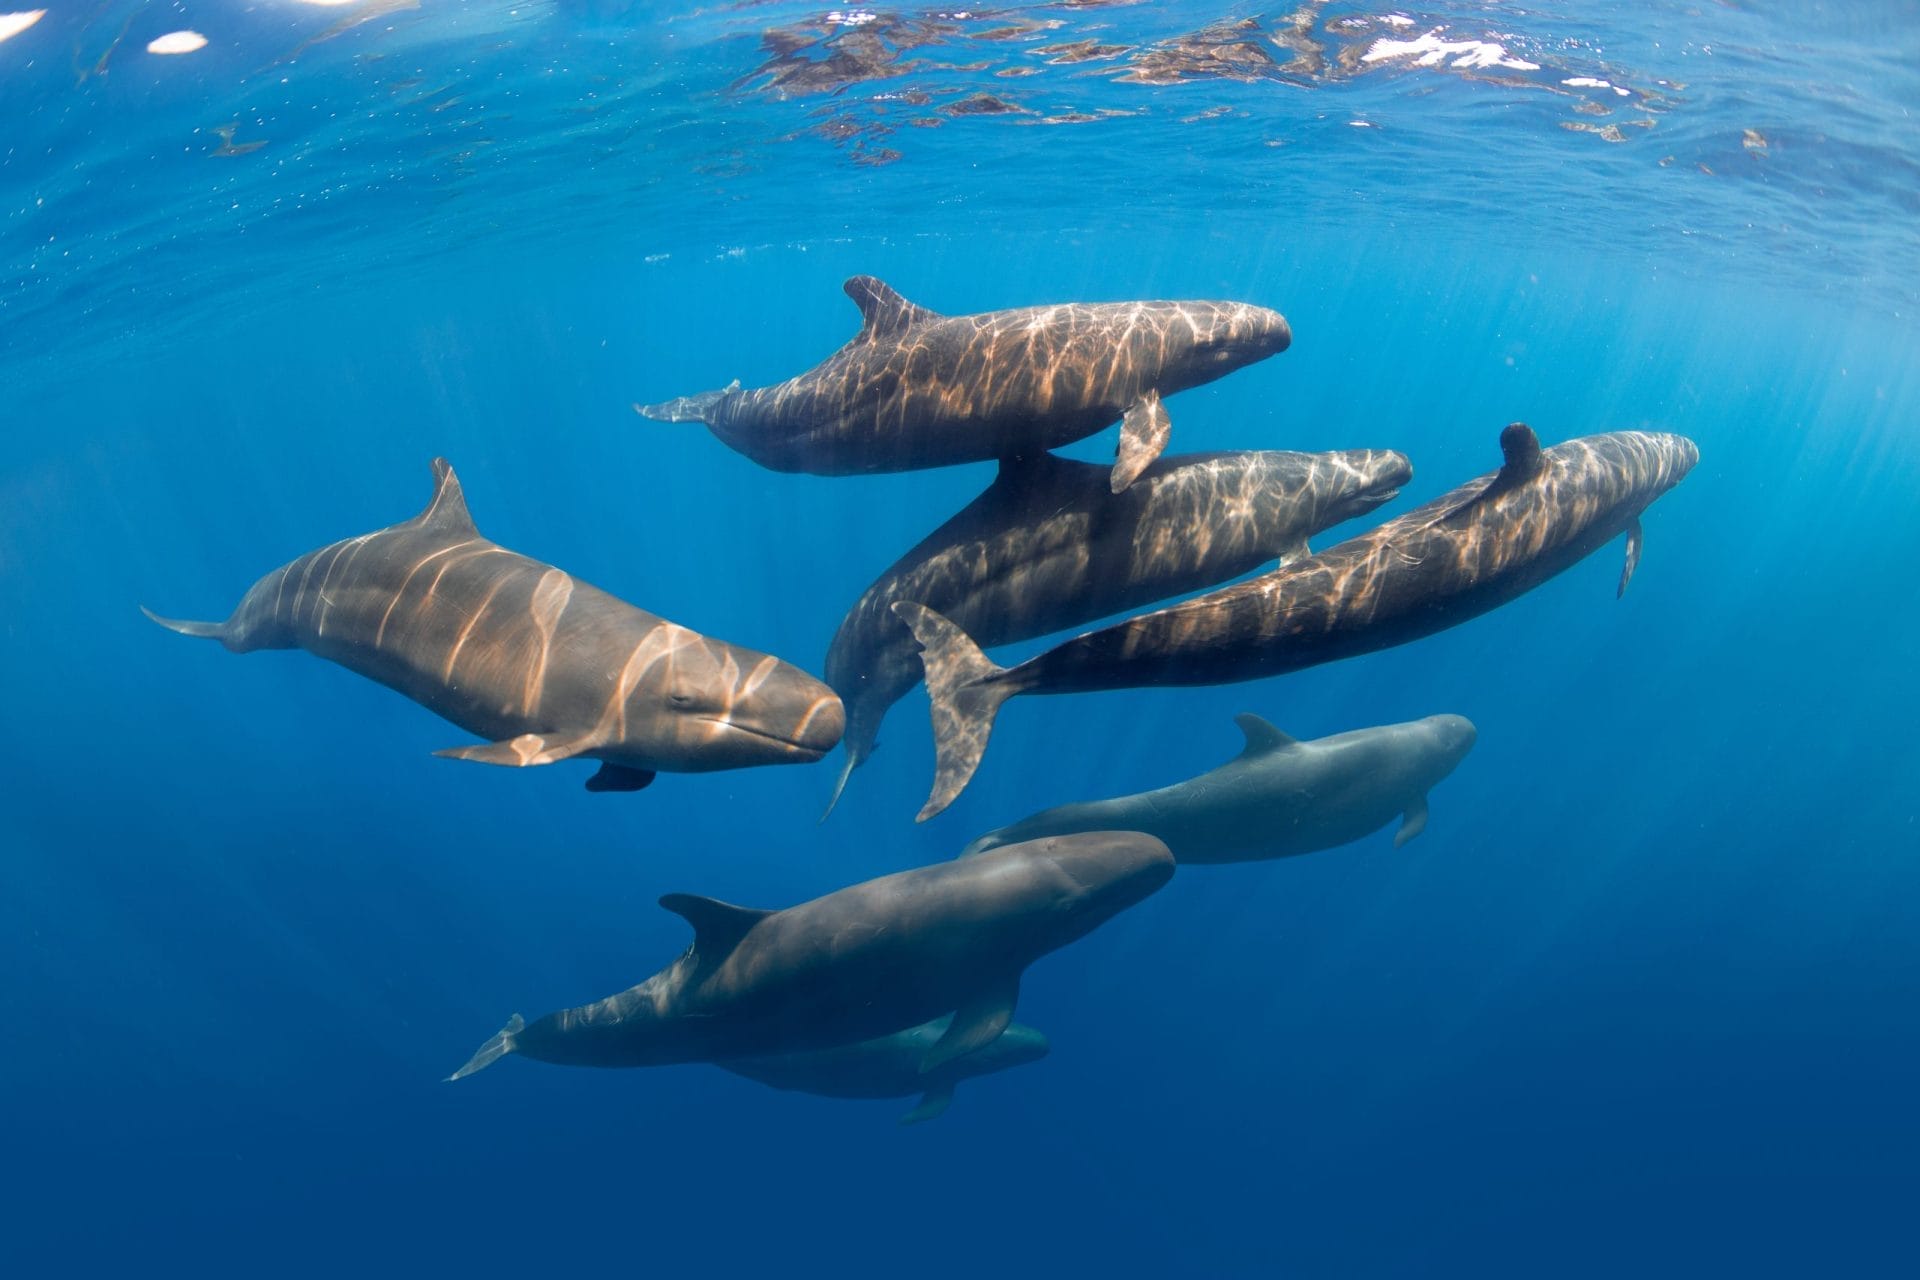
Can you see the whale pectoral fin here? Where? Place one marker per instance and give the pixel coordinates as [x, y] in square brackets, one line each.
[207, 630]
[1633, 557]
[524, 751]
[1298, 551]
[1413, 824]
[618, 777]
[1143, 434]
[932, 1106]
[975, 1025]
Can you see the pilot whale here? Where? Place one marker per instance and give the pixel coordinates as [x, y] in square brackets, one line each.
[889, 1067]
[1047, 547]
[1279, 797]
[1487, 542]
[864, 961]
[916, 389]
[545, 666]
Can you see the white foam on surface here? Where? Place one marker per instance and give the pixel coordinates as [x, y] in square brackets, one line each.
[1430, 50]
[12, 24]
[178, 42]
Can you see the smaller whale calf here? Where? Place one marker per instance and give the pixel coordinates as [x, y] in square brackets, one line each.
[543, 665]
[915, 388]
[889, 1067]
[1279, 797]
[864, 961]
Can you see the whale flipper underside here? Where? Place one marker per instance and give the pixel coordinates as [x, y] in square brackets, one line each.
[932, 1106]
[1626, 571]
[1143, 435]
[208, 630]
[526, 750]
[975, 1025]
[1413, 824]
[619, 777]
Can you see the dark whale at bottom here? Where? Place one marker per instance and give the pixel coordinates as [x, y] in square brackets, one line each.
[864, 961]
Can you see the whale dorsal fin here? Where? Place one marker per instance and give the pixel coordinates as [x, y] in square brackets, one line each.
[882, 310]
[448, 510]
[717, 926]
[1261, 736]
[1522, 460]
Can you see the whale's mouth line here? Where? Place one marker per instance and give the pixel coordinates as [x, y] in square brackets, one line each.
[813, 753]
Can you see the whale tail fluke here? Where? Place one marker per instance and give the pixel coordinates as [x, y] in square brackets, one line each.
[493, 1050]
[210, 630]
[695, 408]
[967, 691]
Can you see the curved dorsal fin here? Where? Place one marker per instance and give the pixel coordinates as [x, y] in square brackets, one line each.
[1261, 736]
[1521, 461]
[882, 310]
[1520, 451]
[448, 510]
[717, 926]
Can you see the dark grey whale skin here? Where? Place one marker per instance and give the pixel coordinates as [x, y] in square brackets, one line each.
[889, 1067]
[865, 961]
[1279, 798]
[545, 666]
[917, 389]
[1471, 550]
[1048, 546]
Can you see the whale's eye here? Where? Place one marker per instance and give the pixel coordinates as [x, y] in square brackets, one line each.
[680, 699]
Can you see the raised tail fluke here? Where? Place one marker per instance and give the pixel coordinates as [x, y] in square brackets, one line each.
[967, 692]
[210, 630]
[695, 408]
[493, 1050]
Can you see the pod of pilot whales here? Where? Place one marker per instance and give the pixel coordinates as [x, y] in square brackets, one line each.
[907, 984]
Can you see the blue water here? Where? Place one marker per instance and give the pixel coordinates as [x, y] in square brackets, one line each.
[1641, 999]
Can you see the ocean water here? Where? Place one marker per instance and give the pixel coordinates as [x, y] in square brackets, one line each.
[1643, 996]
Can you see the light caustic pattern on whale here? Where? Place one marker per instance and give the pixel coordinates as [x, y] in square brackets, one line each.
[1047, 546]
[916, 389]
[519, 652]
[1468, 551]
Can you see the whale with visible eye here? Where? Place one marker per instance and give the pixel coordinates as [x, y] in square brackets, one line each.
[916, 389]
[541, 664]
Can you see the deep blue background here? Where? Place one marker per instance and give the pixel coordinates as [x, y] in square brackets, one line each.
[1643, 996]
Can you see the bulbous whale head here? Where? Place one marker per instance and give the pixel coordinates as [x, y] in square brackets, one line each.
[724, 707]
[1358, 481]
[1102, 872]
[1207, 340]
[1016, 1047]
[1454, 736]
